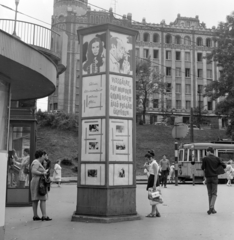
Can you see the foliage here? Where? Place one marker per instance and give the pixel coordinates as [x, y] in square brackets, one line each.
[67, 162]
[59, 120]
[223, 54]
[149, 83]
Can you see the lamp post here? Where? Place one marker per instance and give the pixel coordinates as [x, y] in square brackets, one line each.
[16, 7]
[199, 105]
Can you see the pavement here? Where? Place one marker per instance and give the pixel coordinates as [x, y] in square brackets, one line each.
[183, 216]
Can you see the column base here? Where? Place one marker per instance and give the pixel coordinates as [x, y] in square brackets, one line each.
[2, 232]
[109, 219]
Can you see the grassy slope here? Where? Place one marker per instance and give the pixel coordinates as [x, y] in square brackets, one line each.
[64, 144]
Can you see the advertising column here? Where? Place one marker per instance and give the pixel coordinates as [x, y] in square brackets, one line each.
[106, 176]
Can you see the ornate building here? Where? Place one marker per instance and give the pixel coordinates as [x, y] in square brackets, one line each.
[176, 49]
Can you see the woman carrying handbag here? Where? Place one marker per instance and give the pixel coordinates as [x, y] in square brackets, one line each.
[37, 171]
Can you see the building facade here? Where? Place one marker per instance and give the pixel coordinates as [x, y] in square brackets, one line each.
[176, 49]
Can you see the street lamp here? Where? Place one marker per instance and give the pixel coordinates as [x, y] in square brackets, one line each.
[199, 105]
[16, 7]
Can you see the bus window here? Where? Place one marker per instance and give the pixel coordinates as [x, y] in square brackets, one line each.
[181, 153]
[226, 156]
[186, 154]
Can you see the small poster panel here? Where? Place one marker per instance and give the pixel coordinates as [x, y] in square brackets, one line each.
[94, 53]
[121, 53]
[121, 96]
[93, 140]
[92, 174]
[120, 174]
[120, 135]
[94, 96]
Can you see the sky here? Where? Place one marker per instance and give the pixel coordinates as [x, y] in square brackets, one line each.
[211, 12]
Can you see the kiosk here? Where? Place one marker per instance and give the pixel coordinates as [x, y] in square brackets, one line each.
[106, 171]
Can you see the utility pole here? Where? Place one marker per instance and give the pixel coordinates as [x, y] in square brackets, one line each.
[191, 126]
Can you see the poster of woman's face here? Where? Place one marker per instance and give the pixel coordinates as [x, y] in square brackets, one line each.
[121, 53]
[94, 53]
[92, 173]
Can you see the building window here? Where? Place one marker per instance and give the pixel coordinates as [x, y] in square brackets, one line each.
[178, 57]
[178, 88]
[187, 41]
[187, 89]
[187, 56]
[168, 38]
[168, 87]
[51, 107]
[199, 89]
[155, 103]
[168, 102]
[146, 53]
[209, 73]
[199, 41]
[209, 105]
[177, 40]
[178, 104]
[55, 106]
[208, 42]
[168, 55]
[155, 53]
[199, 57]
[168, 71]
[188, 104]
[199, 73]
[187, 72]
[155, 38]
[137, 52]
[178, 72]
[146, 37]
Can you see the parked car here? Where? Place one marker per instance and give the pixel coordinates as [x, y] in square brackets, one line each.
[160, 123]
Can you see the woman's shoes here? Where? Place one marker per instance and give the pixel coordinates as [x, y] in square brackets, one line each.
[36, 218]
[46, 219]
[151, 215]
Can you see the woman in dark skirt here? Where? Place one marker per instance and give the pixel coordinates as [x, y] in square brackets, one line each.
[152, 182]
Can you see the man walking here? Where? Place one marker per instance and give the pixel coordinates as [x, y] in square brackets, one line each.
[212, 167]
[165, 168]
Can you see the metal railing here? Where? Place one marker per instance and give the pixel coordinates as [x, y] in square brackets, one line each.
[31, 33]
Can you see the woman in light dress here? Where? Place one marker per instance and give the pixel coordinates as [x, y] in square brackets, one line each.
[57, 175]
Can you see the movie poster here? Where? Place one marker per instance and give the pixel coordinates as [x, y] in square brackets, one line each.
[121, 58]
[94, 53]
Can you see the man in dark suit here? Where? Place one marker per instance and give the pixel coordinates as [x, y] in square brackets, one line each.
[212, 167]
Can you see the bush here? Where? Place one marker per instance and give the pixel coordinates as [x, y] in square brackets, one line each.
[141, 122]
[75, 169]
[59, 120]
[67, 162]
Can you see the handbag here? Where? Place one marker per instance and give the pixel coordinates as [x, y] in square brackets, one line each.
[155, 196]
[43, 185]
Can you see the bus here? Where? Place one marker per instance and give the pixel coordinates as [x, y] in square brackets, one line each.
[223, 150]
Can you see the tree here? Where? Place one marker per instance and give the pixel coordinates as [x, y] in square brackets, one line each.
[223, 54]
[149, 82]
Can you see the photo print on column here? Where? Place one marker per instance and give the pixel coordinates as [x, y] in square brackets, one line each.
[92, 173]
[94, 146]
[94, 53]
[121, 53]
[94, 128]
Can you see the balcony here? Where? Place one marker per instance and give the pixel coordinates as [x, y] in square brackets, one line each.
[43, 39]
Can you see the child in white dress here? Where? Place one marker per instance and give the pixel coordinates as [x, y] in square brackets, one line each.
[230, 172]
[57, 175]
